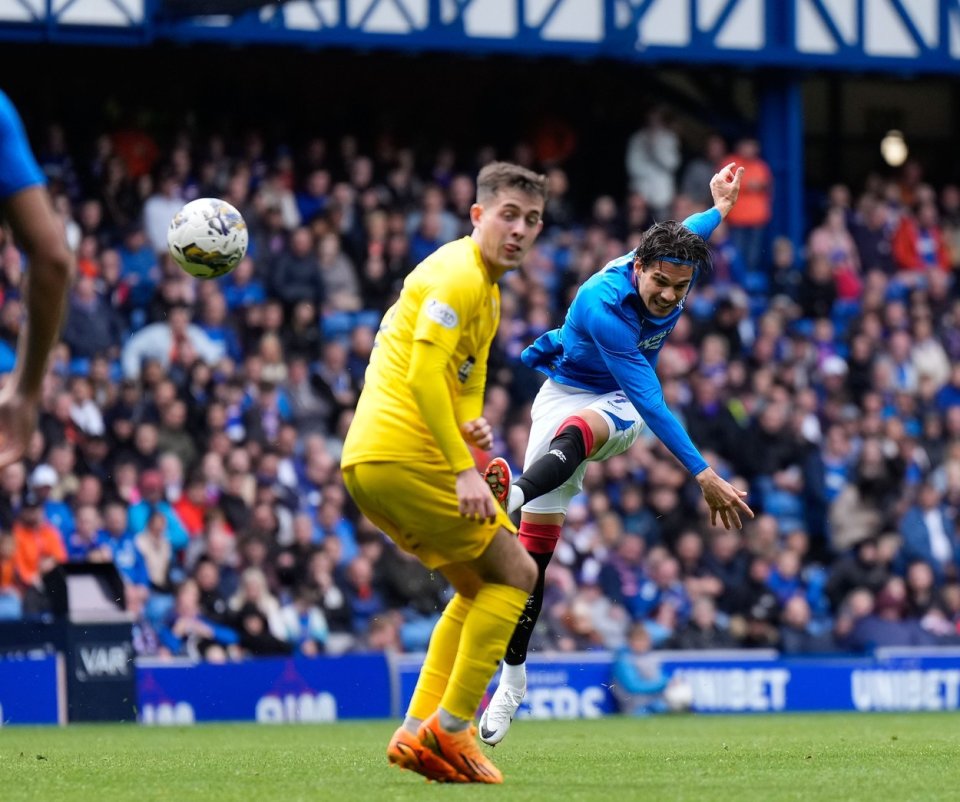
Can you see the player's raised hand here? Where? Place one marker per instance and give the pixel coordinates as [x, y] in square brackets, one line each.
[723, 499]
[478, 433]
[725, 188]
[475, 499]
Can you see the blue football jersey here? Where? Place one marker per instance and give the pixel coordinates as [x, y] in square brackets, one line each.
[18, 167]
[609, 342]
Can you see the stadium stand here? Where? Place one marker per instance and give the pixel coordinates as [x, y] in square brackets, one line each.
[191, 430]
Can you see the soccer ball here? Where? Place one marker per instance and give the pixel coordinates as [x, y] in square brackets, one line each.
[207, 238]
[678, 695]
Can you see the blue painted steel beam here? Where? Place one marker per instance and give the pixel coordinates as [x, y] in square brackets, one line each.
[781, 135]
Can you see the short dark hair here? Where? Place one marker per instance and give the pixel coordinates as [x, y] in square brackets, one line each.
[500, 175]
[673, 240]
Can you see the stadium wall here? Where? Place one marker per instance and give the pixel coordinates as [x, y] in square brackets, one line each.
[272, 691]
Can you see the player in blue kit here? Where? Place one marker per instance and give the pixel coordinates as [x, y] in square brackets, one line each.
[601, 389]
[25, 206]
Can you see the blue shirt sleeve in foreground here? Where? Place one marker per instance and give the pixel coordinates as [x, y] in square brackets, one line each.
[703, 224]
[18, 167]
[638, 380]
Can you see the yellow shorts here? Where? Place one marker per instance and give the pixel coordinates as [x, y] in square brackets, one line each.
[416, 505]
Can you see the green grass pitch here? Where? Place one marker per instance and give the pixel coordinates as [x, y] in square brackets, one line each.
[703, 758]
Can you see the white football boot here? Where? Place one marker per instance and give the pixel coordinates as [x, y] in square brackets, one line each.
[497, 718]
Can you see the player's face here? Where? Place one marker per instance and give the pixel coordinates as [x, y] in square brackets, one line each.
[505, 228]
[662, 286]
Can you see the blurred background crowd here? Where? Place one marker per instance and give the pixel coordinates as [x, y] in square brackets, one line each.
[190, 430]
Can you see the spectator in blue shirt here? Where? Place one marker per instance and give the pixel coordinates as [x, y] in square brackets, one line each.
[151, 488]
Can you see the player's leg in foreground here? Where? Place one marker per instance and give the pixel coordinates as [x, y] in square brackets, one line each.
[580, 436]
[492, 575]
[499, 582]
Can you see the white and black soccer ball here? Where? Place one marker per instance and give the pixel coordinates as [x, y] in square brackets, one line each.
[207, 238]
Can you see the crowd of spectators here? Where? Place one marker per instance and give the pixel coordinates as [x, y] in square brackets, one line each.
[190, 430]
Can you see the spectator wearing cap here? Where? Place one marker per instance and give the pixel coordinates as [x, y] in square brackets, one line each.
[43, 480]
[38, 548]
[163, 341]
[151, 489]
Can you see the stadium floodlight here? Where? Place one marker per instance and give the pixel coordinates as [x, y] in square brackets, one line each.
[893, 148]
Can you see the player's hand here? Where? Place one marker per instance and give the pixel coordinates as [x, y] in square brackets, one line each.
[18, 420]
[476, 500]
[723, 499]
[725, 188]
[478, 433]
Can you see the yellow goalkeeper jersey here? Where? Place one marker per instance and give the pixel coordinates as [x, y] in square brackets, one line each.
[450, 301]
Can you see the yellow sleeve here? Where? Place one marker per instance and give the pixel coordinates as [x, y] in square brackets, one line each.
[469, 404]
[447, 304]
[428, 362]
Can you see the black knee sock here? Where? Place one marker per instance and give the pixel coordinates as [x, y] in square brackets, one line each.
[520, 642]
[567, 451]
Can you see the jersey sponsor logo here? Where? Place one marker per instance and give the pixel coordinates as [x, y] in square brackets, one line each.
[464, 371]
[653, 342]
[442, 313]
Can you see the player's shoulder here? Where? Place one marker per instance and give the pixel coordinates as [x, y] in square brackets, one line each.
[455, 266]
[611, 282]
[8, 113]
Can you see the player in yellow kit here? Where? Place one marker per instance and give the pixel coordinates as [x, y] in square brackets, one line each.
[407, 464]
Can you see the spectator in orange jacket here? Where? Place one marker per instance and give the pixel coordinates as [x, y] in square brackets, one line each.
[38, 545]
[918, 242]
[748, 220]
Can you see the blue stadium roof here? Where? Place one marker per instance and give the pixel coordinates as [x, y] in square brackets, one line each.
[908, 36]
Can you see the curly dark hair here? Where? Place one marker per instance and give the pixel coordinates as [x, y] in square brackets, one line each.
[676, 241]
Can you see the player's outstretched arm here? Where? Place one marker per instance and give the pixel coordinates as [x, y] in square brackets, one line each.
[723, 499]
[38, 231]
[725, 188]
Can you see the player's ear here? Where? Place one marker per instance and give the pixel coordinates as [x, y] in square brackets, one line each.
[476, 212]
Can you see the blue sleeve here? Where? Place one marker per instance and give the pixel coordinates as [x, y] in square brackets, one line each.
[18, 167]
[222, 634]
[167, 638]
[626, 676]
[176, 532]
[638, 380]
[703, 224]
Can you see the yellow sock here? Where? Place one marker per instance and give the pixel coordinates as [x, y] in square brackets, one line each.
[483, 643]
[442, 651]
